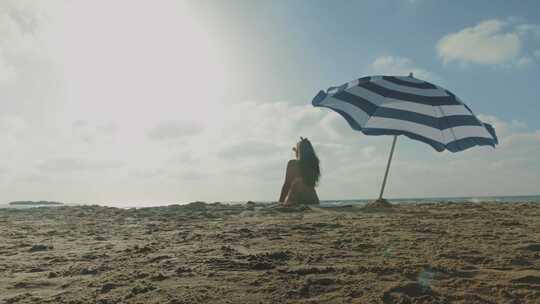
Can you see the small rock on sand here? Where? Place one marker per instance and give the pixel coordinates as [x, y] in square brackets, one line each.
[40, 247]
[107, 287]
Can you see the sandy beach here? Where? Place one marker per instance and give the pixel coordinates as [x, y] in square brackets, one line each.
[217, 253]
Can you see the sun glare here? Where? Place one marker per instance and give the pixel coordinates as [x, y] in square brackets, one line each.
[138, 62]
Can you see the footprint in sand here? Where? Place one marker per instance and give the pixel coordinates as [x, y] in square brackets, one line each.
[406, 293]
[528, 279]
[316, 286]
[531, 247]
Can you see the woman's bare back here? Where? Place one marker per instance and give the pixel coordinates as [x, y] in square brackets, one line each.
[294, 190]
[301, 193]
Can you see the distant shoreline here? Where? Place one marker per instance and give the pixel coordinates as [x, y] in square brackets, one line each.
[31, 203]
[324, 203]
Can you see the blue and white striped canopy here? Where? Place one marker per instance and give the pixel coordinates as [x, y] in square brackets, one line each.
[405, 105]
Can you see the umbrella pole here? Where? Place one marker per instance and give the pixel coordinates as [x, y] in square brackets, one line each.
[388, 167]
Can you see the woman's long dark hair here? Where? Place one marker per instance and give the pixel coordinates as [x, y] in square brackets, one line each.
[309, 163]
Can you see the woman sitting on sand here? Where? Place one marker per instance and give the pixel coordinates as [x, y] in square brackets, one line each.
[302, 176]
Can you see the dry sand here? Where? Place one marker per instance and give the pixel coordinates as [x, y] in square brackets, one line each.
[214, 253]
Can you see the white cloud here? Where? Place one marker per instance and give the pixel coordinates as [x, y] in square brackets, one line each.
[174, 130]
[91, 132]
[7, 71]
[395, 65]
[529, 29]
[184, 158]
[18, 26]
[191, 175]
[71, 164]
[20, 34]
[12, 127]
[489, 42]
[249, 148]
[506, 43]
[11, 123]
[28, 79]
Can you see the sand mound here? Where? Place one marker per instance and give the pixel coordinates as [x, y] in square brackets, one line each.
[378, 205]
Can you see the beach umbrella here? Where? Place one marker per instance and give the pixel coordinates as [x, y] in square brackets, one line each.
[406, 105]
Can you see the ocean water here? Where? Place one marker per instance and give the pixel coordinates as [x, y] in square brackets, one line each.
[356, 202]
[420, 200]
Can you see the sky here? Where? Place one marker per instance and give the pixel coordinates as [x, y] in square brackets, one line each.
[157, 102]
